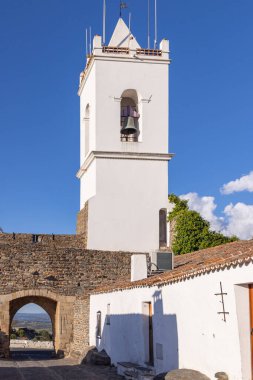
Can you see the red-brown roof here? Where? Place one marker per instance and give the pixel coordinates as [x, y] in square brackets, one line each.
[192, 264]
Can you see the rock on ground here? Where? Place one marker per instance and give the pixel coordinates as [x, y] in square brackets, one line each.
[93, 356]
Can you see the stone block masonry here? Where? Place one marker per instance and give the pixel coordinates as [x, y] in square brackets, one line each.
[82, 222]
[81, 326]
[61, 269]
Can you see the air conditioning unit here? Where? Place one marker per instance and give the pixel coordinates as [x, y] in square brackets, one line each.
[162, 260]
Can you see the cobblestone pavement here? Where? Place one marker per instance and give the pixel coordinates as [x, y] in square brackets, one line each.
[53, 369]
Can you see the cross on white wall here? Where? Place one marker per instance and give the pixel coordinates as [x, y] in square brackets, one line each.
[222, 294]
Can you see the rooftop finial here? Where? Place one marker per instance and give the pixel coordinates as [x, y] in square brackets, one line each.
[122, 5]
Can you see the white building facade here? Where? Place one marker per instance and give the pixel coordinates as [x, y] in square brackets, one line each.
[124, 144]
[192, 327]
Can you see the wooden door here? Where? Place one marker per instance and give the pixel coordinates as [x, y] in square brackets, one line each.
[251, 325]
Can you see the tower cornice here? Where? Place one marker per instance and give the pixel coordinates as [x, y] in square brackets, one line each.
[132, 58]
[121, 156]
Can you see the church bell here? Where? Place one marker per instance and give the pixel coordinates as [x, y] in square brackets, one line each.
[130, 127]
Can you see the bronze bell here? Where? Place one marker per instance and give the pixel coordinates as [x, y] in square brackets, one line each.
[130, 127]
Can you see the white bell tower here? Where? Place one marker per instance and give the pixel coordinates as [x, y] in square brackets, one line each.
[124, 145]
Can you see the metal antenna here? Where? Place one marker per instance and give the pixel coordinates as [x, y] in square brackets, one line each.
[90, 41]
[148, 24]
[129, 22]
[155, 42]
[104, 17]
[86, 42]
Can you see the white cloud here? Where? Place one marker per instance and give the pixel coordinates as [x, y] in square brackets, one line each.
[206, 207]
[240, 184]
[237, 220]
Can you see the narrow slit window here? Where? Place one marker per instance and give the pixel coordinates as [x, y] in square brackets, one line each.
[163, 228]
[108, 314]
[98, 327]
[87, 129]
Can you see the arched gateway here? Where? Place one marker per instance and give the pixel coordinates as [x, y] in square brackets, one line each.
[60, 309]
[57, 273]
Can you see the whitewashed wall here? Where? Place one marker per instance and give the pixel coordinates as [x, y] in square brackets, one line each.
[124, 214]
[88, 97]
[149, 79]
[88, 184]
[185, 323]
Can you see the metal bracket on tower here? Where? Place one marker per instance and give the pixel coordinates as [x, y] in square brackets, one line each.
[116, 99]
[146, 100]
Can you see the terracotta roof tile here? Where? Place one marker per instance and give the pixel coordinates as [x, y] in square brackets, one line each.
[193, 264]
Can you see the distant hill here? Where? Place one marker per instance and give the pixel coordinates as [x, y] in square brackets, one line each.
[36, 317]
[38, 321]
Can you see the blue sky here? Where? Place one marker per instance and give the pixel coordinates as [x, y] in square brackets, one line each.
[211, 91]
[32, 308]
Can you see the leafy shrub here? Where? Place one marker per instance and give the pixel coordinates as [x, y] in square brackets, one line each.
[21, 333]
[192, 232]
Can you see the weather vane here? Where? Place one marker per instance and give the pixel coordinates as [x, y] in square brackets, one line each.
[122, 5]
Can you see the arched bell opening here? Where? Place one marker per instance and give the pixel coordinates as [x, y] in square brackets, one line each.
[129, 116]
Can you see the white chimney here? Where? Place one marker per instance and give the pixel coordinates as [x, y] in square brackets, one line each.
[139, 268]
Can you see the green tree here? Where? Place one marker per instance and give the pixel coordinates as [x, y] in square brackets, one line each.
[192, 232]
[21, 333]
[45, 336]
[13, 336]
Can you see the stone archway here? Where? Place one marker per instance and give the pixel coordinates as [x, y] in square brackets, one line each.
[49, 305]
[59, 308]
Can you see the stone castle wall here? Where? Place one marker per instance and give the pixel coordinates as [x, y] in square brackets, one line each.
[62, 269]
[82, 222]
[172, 227]
[35, 266]
[17, 239]
[81, 326]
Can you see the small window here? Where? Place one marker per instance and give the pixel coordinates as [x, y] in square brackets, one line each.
[36, 239]
[98, 327]
[108, 315]
[129, 116]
